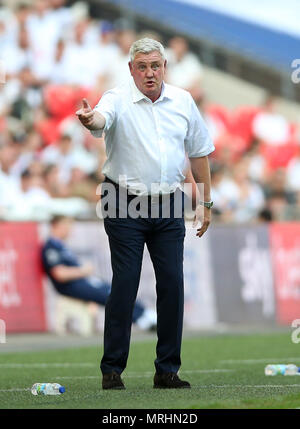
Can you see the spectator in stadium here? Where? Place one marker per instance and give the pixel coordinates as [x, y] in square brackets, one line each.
[77, 56]
[117, 71]
[184, 68]
[150, 34]
[276, 184]
[52, 184]
[107, 35]
[236, 197]
[73, 279]
[257, 165]
[66, 155]
[18, 56]
[11, 20]
[277, 204]
[61, 14]
[44, 32]
[62, 155]
[9, 185]
[249, 196]
[81, 185]
[270, 126]
[30, 145]
[145, 123]
[222, 193]
[32, 186]
[59, 72]
[106, 52]
[24, 96]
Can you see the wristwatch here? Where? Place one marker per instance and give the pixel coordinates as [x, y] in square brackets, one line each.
[207, 204]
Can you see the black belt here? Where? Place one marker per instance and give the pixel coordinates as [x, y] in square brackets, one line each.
[117, 186]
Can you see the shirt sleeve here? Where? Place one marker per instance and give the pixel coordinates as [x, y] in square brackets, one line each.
[107, 107]
[51, 258]
[198, 141]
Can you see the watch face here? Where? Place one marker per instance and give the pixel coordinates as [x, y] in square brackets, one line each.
[207, 204]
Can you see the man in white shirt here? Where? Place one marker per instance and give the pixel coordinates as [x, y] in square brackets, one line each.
[148, 127]
[44, 32]
[184, 67]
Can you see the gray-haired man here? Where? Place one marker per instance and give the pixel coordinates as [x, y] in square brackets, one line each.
[149, 126]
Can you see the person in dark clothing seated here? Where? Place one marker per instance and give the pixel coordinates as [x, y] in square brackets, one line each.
[75, 280]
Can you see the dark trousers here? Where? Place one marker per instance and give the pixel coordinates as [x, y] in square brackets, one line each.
[164, 238]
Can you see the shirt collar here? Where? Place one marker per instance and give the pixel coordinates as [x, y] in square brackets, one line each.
[137, 95]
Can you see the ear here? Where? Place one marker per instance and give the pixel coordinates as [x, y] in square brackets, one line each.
[130, 67]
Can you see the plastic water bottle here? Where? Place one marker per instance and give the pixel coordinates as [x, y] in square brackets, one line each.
[47, 389]
[281, 369]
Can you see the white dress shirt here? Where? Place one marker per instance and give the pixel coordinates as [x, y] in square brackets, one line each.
[146, 142]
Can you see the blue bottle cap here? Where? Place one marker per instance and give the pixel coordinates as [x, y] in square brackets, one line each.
[299, 369]
[62, 389]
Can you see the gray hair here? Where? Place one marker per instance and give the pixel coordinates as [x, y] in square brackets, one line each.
[145, 46]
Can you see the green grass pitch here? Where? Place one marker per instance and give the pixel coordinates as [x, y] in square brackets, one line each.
[226, 371]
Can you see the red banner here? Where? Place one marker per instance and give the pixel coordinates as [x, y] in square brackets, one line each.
[285, 246]
[21, 292]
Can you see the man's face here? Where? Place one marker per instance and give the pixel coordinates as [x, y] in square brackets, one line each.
[148, 71]
[64, 228]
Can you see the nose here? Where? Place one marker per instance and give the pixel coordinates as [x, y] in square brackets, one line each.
[149, 72]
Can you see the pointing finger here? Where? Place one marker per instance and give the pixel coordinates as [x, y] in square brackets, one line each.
[86, 105]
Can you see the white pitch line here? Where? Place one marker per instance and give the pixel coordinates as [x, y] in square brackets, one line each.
[256, 386]
[17, 389]
[46, 365]
[272, 360]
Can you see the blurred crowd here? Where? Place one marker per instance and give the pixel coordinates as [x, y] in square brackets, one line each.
[52, 55]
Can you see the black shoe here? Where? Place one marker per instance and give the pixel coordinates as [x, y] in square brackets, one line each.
[112, 380]
[169, 380]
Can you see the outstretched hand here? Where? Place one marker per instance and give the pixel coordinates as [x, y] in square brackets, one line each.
[85, 114]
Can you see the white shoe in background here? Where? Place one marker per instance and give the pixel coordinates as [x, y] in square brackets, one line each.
[148, 320]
